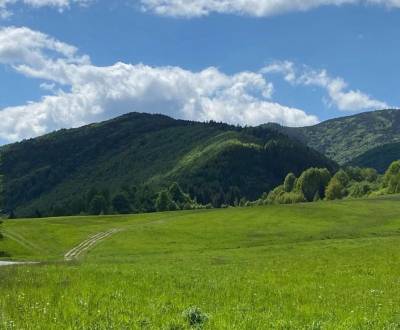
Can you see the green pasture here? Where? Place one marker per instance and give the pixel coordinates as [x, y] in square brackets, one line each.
[326, 265]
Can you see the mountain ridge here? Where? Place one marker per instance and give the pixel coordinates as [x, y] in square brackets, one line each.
[214, 162]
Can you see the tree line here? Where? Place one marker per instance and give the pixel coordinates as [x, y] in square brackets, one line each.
[311, 185]
[128, 200]
[316, 184]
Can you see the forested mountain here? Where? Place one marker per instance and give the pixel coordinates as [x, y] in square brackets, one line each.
[345, 139]
[140, 154]
[379, 157]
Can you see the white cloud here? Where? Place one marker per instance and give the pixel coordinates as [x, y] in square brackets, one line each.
[258, 8]
[6, 5]
[336, 88]
[86, 93]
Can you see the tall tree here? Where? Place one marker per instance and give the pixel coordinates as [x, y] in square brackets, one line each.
[392, 178]
[313, 182]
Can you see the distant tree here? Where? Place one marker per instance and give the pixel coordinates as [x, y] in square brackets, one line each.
[11, 215]
[369, 174]
[145, 199]
[38, 214]
[313, 181]
[164, 202]
[360, 189]
[335, 189]
[178, 196]
[120, 204]
[342, 177]
[289, 182]
[98, 205]
[2, 253]
[392, 178]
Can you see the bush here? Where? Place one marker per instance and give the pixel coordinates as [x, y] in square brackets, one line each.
[195, 317]
[360, 189]
[274, 195]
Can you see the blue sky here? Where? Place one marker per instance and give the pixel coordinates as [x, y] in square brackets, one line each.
[295, 66]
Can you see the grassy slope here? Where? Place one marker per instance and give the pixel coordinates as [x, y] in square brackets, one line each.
[343, 139]
[309, 266]
[61, 167]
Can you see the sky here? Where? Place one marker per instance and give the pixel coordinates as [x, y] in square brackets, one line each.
[67, 63]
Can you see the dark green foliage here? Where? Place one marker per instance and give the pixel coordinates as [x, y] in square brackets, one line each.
[178, 196]
[61, 173]
[379, 157]
[195, 317]
[351, 140]
[120, 204]
[335, 189]
[280, 196]
[98, 205]
[392, 178]
[312, 183]
[360, 189]
[164, 202]
[289, 183]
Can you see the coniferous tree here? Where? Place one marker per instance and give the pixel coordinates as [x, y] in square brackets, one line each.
[98, 205]
[120, 204]
[164, 202]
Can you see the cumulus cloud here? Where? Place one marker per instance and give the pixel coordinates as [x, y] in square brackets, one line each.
[258, 8]
[81, 92]
[337, 89]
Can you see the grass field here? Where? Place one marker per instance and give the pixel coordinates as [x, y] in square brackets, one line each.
[308, 266]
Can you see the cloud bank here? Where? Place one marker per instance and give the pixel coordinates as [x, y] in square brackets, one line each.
[81, 92]
[257, 8]
[336, 88]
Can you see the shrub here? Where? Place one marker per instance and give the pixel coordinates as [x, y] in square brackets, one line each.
[273, 196]
[195, 317]
[291, 198]
[360, 189]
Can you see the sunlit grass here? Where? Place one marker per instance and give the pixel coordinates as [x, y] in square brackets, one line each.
[311, 266]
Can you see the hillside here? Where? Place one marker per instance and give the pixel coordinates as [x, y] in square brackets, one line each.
[379, 157]
[215, 163]
[344, 139]
[327, 265]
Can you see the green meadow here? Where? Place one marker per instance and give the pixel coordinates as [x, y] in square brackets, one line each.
[325, 265]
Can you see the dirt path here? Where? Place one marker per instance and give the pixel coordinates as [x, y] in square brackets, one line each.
[87, 244]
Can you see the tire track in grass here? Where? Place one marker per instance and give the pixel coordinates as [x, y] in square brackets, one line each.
[81, 248]
[22, 241]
